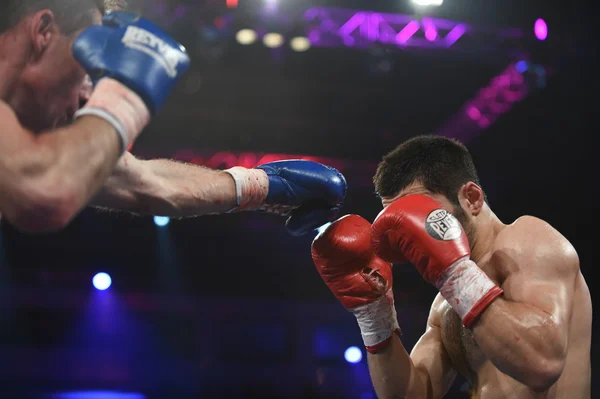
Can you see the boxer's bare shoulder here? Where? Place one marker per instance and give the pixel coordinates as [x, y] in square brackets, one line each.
[6, 114]
[10, 128]
[14, 139]
[531, 245]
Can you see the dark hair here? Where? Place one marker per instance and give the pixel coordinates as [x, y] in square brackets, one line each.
[71, 15]
[441, 164]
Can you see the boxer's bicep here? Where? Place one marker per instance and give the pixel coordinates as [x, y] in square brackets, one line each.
[546, 273]
[430, 358]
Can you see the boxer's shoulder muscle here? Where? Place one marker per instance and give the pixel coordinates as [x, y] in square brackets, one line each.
[9, 125]
[536, 244]
[13, 136]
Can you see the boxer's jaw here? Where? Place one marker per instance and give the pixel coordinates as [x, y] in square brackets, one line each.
[47, 84]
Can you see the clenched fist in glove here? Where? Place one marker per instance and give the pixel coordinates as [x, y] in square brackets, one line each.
[307, 193]
[418, 229]
[360, 280]
[134, 66]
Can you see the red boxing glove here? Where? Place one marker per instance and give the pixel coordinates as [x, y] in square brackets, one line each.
[361, 281]
[418, 228]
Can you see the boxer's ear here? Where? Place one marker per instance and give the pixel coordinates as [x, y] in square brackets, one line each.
[42, 30]
[471, 196]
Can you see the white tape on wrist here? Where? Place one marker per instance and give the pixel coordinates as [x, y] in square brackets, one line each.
[377, 320]
[119, 106]
[252, 188]
[103, 114]
[464, 285]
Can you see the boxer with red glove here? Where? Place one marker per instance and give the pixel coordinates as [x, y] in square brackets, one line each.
[360, 280]
[417, 228]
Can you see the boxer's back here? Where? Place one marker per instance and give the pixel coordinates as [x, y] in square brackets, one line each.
[489, 383]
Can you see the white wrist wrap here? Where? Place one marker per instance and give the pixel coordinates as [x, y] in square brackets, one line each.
[252, 187]
[119, 106]
[377, 320]
[464, 285]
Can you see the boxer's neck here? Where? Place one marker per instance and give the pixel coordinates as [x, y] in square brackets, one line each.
[487, 226]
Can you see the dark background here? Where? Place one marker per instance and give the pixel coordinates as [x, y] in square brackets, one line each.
[230, 306]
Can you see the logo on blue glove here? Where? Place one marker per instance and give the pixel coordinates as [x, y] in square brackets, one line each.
[148, 43]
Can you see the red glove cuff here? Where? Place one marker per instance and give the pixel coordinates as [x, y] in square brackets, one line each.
[467, 289]
[481, 305]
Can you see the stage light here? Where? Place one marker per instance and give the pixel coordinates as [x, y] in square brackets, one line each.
[246, 36]
[540, 29]
[522, 66]
[427, 3]
[161, 221]
[97, 395]
[300, 44]
[353, 354]
[273, 40]
[101, 281]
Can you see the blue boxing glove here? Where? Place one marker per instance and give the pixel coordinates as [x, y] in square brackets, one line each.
[134, 66]
[308, 193]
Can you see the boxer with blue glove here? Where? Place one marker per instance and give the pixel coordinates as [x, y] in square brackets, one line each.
[46, 180]
[48, 48]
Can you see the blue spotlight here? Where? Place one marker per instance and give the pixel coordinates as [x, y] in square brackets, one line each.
[353, 354]
[522, 66]
[161, 221]
[102, 281]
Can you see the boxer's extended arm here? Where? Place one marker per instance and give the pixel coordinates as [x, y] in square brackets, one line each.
[166, 188]
[426, 374]
[525, 333]
[45, 180]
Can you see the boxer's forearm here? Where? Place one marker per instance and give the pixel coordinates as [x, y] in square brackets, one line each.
[522, 341]
[167, 188]
[393, 373]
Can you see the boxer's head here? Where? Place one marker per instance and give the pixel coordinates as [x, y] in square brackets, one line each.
[436, 166]
[44, 82]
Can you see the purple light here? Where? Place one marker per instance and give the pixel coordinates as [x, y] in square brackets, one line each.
[357, 20]
[409, 30]
[540, 29]
[456, 33]
[430, 30]
[336, 25]
[430, 34]
[473, 113]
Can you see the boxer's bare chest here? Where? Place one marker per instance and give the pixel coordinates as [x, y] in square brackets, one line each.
[464, 353]
[466, 356]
